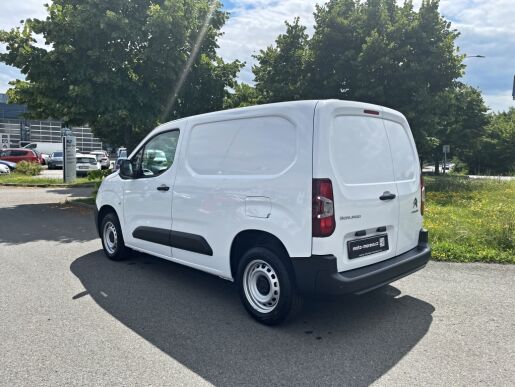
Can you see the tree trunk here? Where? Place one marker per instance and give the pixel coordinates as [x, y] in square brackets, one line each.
[127, 138]
[437, 167]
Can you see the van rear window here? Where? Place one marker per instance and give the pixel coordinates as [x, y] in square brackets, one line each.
[359, 150]
[405, 163]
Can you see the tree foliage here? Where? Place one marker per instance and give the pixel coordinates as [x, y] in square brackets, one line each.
[279, 75]
[379, 52]
[243, 95]
[116, 64]
[496, 152]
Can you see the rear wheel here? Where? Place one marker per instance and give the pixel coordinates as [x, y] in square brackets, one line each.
[112, 238]
[266, 286]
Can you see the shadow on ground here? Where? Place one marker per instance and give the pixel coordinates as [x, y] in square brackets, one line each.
[72, 192]
[46, 222]
[197, 319]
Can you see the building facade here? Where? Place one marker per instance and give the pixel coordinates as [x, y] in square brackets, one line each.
[16, 131]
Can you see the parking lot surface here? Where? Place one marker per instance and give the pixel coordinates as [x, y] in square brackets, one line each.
[69, 316]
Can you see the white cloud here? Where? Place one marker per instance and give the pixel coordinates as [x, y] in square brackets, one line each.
[254, 25]
[13, 11]
[500, 102]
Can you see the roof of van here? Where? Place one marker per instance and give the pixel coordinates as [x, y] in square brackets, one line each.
[274, 107]
[290, 105]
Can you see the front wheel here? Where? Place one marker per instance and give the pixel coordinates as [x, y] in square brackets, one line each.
[112, 238]
[266, 286]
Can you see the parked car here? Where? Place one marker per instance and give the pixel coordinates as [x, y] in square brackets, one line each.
[4, 169]
[55, 160]
[16, 155]
[283, 199]
[86, 164]
[102, 158]
[9, 164]
[41, 157]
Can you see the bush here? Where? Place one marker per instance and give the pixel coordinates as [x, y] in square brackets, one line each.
[27, 168]
[97, 176]
[460, 168]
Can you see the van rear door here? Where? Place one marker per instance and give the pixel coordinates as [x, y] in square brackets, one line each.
[406, 168]
[351, 148]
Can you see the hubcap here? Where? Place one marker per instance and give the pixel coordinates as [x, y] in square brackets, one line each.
[110, 238]
[261, 286]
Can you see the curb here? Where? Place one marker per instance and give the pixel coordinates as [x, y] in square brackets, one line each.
[87, 185]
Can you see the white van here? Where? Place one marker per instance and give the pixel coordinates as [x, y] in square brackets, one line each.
[45, 147]
[289, 198]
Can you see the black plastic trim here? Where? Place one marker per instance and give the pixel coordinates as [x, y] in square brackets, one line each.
[319, 274]
[176, 239]
[153, 234]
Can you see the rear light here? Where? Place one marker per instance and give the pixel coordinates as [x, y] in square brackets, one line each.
[422, 194]
[323, 221]
[373, 112]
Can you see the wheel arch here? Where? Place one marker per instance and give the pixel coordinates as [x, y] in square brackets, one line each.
[247, 239]
[105, 209]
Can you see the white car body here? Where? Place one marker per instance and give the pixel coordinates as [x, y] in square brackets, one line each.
[4, 169]
[248, 174]
[45, 148]
[86, 163]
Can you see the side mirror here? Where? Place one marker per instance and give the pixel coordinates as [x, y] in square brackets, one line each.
[126, 169]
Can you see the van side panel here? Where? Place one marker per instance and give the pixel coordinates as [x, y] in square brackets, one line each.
[242, 170]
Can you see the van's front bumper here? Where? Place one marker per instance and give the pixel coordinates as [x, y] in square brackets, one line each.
[318, 274]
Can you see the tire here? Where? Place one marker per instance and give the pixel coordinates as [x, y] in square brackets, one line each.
[267, 286]
[112, 238]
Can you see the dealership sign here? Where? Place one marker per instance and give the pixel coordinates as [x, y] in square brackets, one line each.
[69, 158]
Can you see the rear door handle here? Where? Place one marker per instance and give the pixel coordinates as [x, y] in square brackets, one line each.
[163, 187]
[387, 196]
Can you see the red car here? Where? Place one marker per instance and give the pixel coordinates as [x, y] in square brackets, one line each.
[19, 154]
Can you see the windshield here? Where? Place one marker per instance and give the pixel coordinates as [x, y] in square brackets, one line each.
[57, 154]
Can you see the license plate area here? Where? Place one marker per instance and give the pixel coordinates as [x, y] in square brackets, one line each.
[358, 248]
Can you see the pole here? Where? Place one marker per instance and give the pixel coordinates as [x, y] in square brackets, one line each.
[444, 161]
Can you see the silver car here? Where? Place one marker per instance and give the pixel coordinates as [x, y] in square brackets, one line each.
[102, 158]
[55, 160]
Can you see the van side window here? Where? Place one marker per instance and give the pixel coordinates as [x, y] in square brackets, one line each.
[251, 146]
[156, 156]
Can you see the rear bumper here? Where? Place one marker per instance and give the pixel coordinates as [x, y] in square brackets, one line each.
[318, 274]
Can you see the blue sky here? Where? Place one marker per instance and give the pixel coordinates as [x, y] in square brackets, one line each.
[486, 28]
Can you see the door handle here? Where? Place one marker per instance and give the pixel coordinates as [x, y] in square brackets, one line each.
[163, 187]
[387, 196]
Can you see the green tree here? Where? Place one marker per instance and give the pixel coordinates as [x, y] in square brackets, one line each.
[461, 124]
[497, 146]
[373, 51]
[279, 74]
[243, 95]
[119, 65]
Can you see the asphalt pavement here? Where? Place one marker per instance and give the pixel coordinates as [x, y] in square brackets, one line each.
[69, 316]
